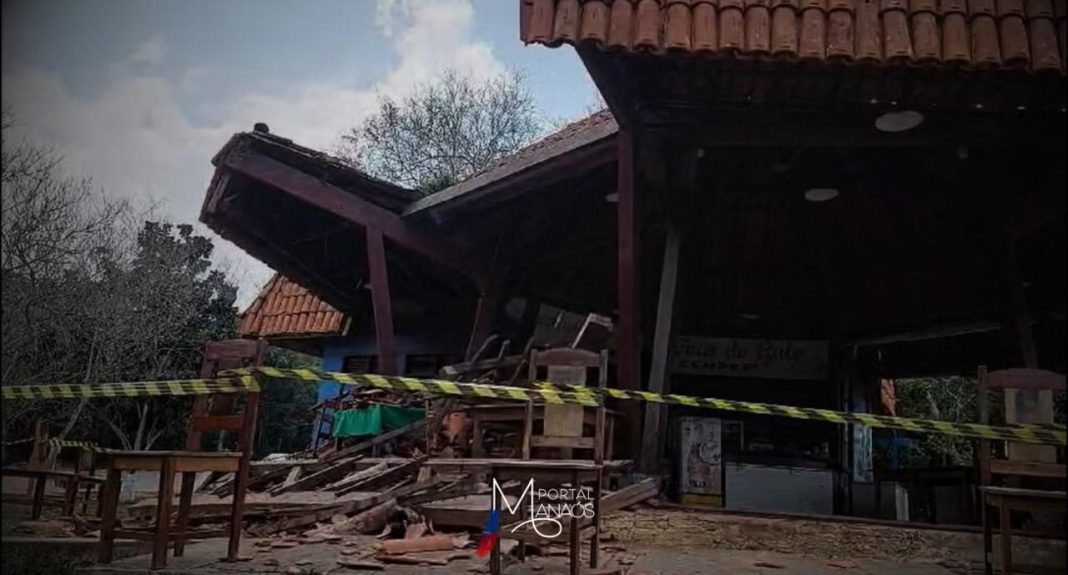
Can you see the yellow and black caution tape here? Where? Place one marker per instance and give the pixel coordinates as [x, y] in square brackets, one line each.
[553, 393]
[86, 445]
[19, 441]
[429, 386]
[1050, 434]
[242, 384]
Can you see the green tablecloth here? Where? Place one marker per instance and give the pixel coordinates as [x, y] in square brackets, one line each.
[373, 420]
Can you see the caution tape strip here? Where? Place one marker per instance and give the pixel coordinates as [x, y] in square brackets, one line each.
[623, 394]
[553, 393]
[1049, 434]
[87, 445]
[243, 384]
[19, 441]
[429, 386]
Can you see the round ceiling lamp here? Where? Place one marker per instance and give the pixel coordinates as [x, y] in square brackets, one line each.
[821, 194]
[612, 198]
[893, 122]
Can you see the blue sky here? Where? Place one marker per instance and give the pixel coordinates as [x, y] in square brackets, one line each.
[138, 94]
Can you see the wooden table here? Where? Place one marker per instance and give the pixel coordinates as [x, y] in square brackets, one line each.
[169, 464]
[516, 413]
[549, 474]
[41, 477]
[1007, 499]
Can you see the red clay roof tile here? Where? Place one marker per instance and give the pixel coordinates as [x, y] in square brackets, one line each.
[1024, 34]
[284, 309]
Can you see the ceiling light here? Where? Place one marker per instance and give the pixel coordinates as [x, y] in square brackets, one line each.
[821, 194]
[750, 316]
[898, 121]
[612, 198]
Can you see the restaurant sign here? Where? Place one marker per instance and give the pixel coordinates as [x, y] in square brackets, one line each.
[759, 358]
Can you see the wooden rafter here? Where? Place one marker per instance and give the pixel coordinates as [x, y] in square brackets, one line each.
[354, 209]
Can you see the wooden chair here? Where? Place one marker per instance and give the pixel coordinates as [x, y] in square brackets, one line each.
[563, 426]
[997, 466]
[209, 413]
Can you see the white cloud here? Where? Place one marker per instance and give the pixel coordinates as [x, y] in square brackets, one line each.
[136, 141]
[194, 78]
[150, 51]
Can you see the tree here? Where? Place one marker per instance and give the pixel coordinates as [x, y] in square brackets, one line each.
[444, 131]
[285, 406]
[942, 398]
[55, 229]
[90, 296]
[165, 304]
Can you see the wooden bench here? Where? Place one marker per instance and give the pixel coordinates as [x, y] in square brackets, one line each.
[41, 477]
[1006, 500]
[999, 463]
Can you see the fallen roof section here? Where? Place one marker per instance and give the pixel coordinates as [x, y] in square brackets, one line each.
[587, 142]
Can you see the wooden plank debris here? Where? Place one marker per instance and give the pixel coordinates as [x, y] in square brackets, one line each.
[322, 477]
[377, 440]
[367, 521]
[358, 476]
[383, 478]
[326, 512]
[630, 495]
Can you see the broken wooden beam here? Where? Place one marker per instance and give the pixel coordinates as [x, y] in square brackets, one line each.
[386, 477]
[377, 440]
[367, 521]
[460, 369]
[630, 495]
[325, 512]
[358, 476]
[327, 475]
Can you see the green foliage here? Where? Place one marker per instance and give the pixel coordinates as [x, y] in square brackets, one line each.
[286, 417]
[942, 398]
[443, 132]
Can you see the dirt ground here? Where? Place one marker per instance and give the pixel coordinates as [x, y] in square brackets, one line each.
[648, 541]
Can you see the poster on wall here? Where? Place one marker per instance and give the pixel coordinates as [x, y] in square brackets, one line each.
[700, 461]
[758, 358]
[862, 464]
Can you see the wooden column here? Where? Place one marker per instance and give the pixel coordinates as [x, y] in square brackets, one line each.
[656, 414]
[627, 347]
[381, 302]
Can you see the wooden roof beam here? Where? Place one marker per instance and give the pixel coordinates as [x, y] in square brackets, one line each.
[354, 209]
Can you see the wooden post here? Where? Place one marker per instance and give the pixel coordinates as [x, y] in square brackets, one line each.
[245, 444]
[163, 513]
[108, 509]
[628, 348]
[656, 414]
[575, 535]
[381, 302]
[627, 281]
[39, 454]
[185, 507]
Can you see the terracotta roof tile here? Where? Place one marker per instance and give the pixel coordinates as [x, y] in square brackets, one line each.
[1022, 34]
[284, 309]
